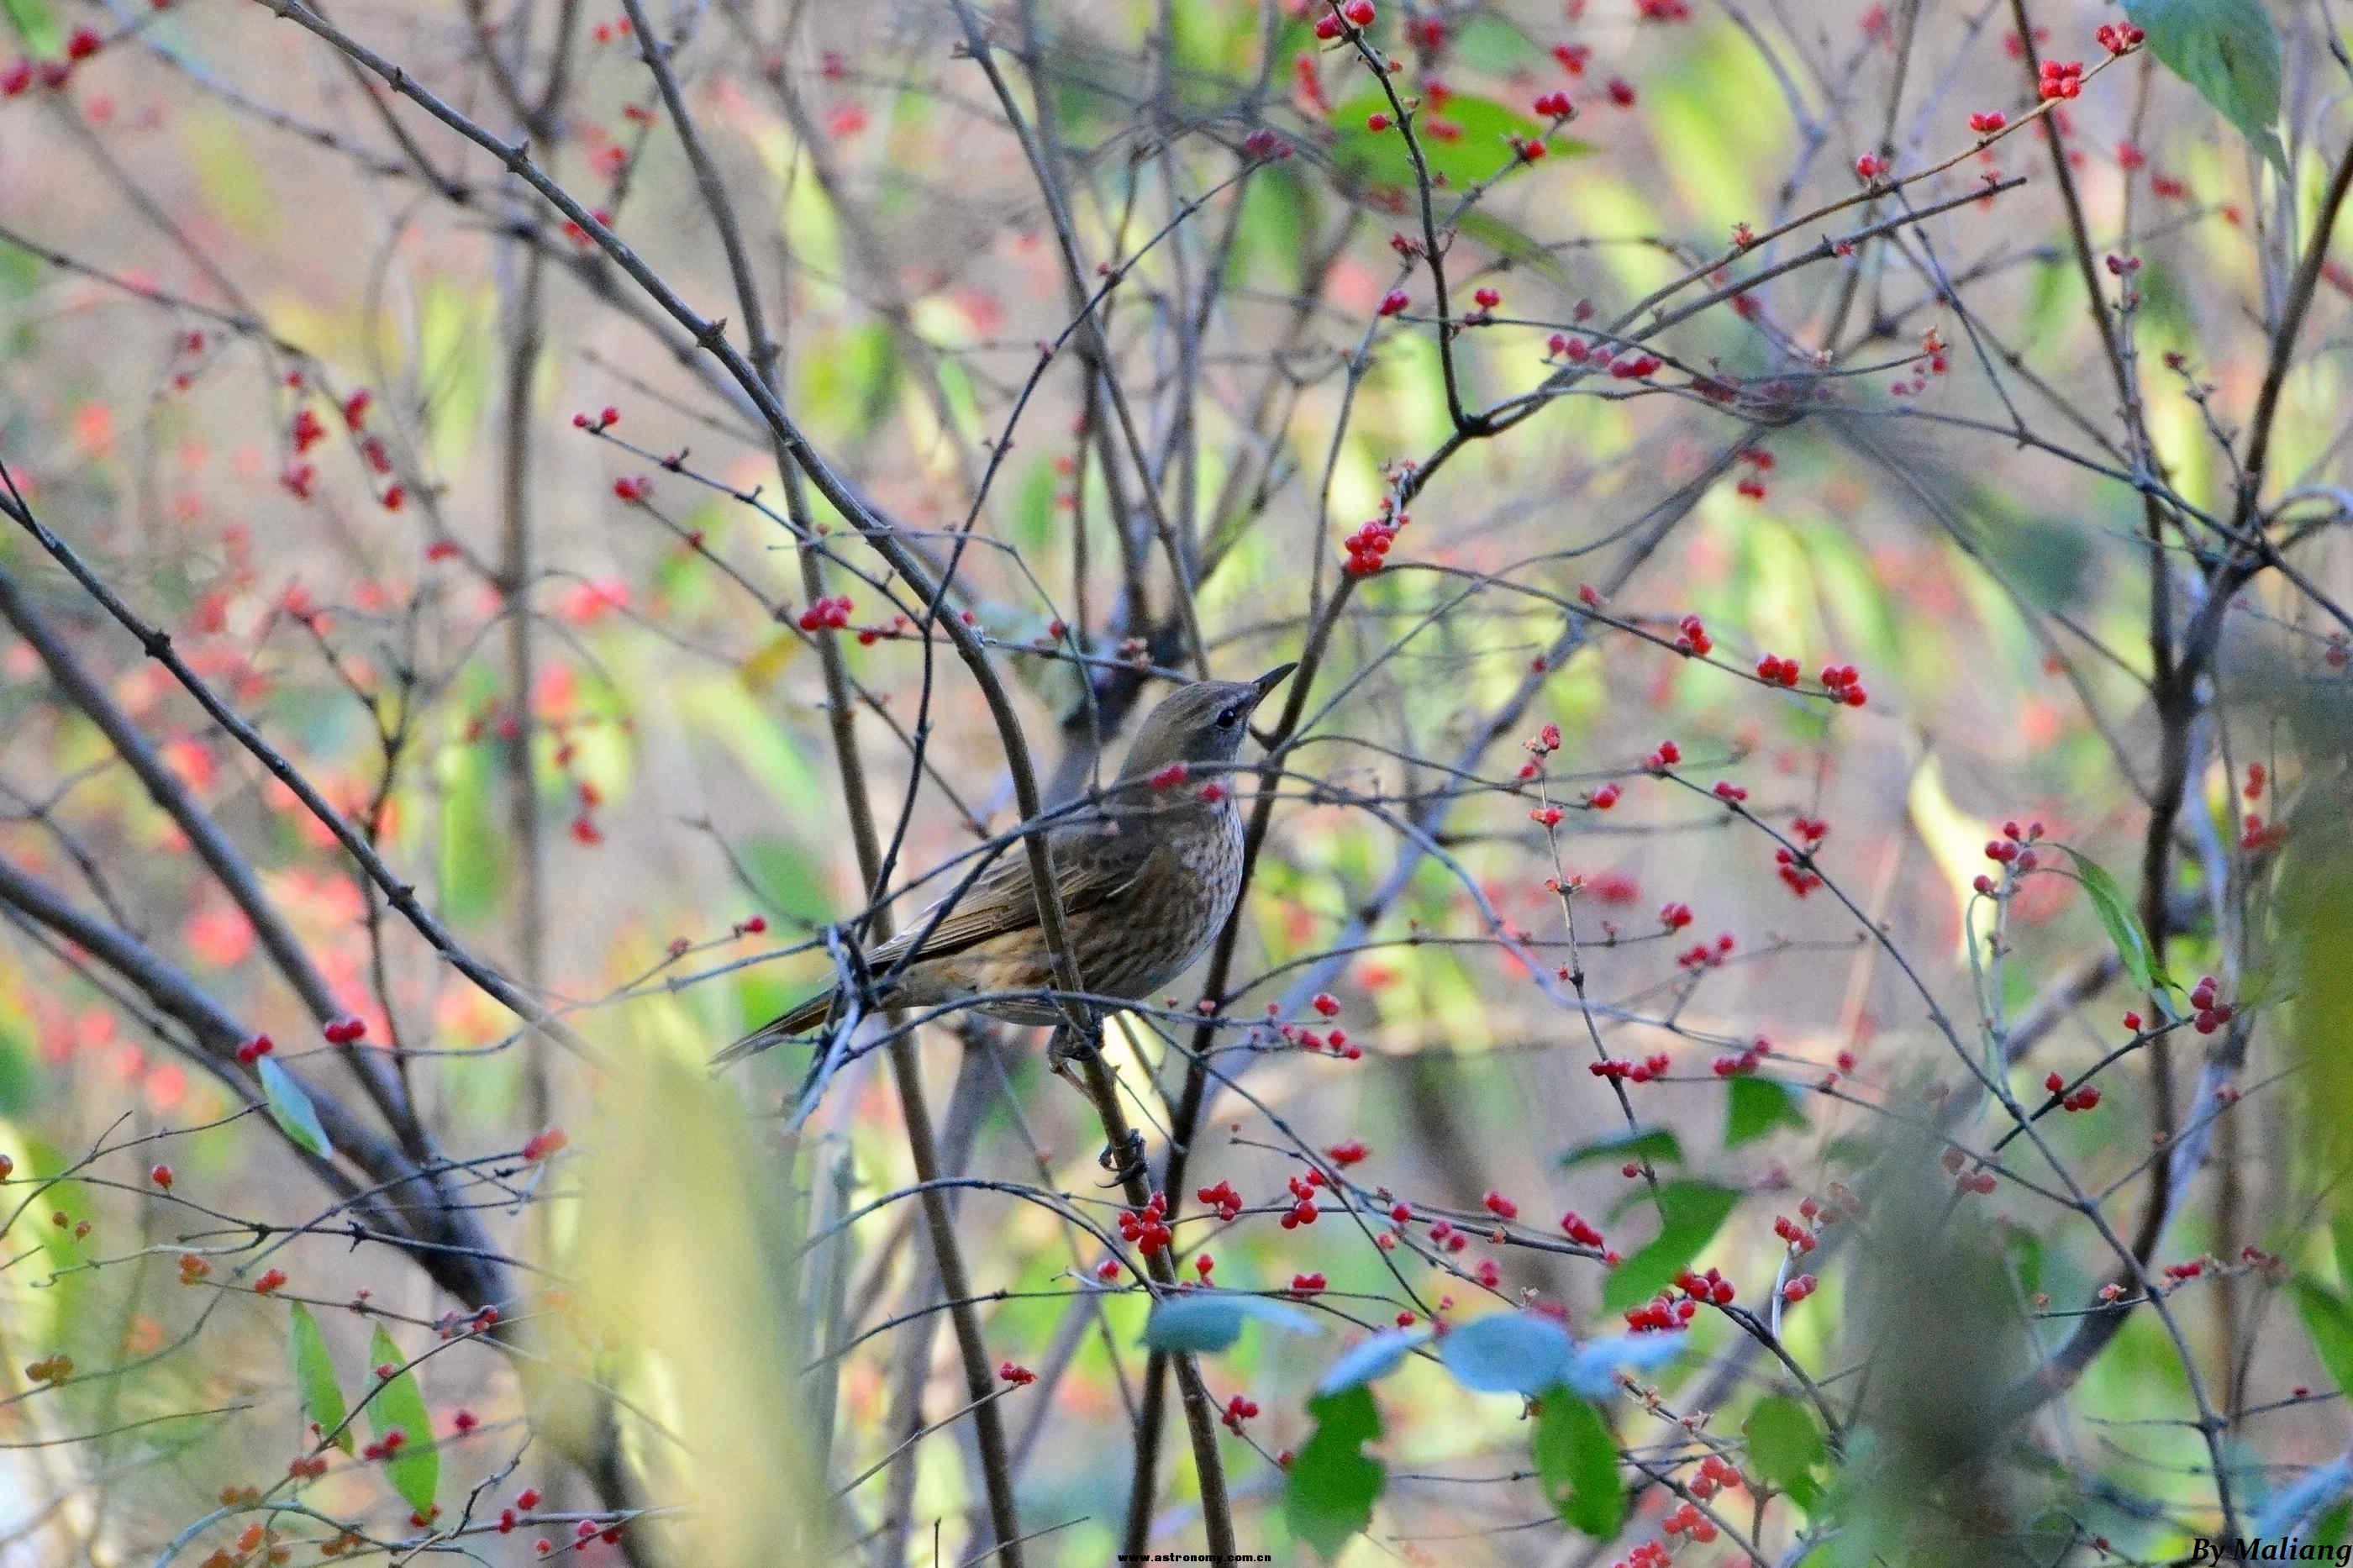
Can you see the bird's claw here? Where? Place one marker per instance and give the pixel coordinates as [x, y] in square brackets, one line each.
[1124, 1160]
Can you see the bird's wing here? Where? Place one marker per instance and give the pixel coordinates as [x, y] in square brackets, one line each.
[1001, 902]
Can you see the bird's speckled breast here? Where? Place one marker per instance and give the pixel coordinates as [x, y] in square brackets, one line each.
[1164, 924]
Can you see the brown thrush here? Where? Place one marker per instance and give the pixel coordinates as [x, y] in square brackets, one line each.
[1148, 874]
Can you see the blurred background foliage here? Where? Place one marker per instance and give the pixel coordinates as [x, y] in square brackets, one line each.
[318, 388]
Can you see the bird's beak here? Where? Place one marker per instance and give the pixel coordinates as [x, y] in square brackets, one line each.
[1273, 679]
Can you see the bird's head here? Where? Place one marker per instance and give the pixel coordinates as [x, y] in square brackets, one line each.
[1199, 724]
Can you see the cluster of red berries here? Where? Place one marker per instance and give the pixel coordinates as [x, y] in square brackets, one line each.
[1442, 1234]
[1746, 1063]
[387, 1447]
[525, 1500]
[1985, 122]
[1581, 1230]
[306, 1467]
[193, 1269]
[2118, 38]
[254, 1049]
[1308, 1284]
[1554, 105]
[1711, 1285]
[1774, 670]
[1870, 166]
[1802, 1240]
[1675, 916]
[599, 421]
[1845, 684]
[2211, 1015]
[1352, 15]
[344, 1030]
[1335, 1042]
[1795, 871]
[1620, 1069]
[1019, 1376]
[1649, 1554]
[2061, 78]
[1499, 1206]
[633, 486]
[1665, 756]
[2083, 1098]
[1223, 1198]
[1265, 145]
[1707, 955]
[1693, 637]
[1352, 1152]
[1661, 1313]
[1239, 1409]
[1798, 1289]
[830, 613]
[1604, 798]
[1147, 1228]
[1687, 1519]
[1368, 546]
[2256, 836]
[543, 1143]
[1303, 1210]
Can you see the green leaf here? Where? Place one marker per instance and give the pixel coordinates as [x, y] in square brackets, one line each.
[1481, 149]
[314, 1377]
[290, 1107]
[2124, 931]
[37, 23]
[2330, 1322]
[1691, 1214]
[1758, 1106]
[473, 848]
[1785, 1444]
[1508, 1353]
[1212, 1319]
[1658, 1145]
[415, 1471]
[2228, 50]
[1577, 1464]
[1329, 1492]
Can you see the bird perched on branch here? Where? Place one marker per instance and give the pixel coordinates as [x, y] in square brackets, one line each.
[1148, 874]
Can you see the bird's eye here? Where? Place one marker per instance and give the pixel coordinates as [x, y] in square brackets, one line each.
[1229, 716]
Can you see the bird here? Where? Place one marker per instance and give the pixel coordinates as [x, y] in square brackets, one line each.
[1149, 871]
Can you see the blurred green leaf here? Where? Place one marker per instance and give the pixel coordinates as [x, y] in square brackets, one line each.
[18, 1086]
[473, 850]
[1330, 1489]
[2230, 52]
[44, 34]
[415, 1470]
[2330, 1322]
[314, 1377]
[1691, 1213]
[788, 877]
[1659, 1145]
[1466, 142]
[2315, 908]
[1213, 1320]
[1785, 1444]
[1577, 1465]
[290, 1107]
[1757, 1106]
[2124, 931]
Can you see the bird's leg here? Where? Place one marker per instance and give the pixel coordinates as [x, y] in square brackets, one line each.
[1123, 1160]
[1072, 1045]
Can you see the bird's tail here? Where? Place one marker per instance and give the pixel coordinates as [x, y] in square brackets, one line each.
[808, 1015]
